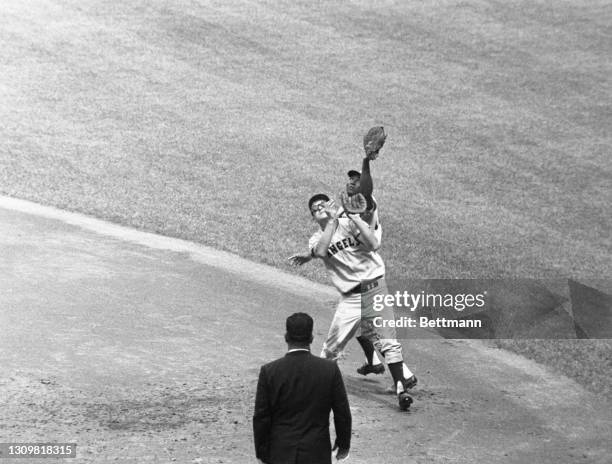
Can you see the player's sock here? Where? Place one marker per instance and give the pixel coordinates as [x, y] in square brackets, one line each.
[407, 372]
[368, 348]
[397, 372]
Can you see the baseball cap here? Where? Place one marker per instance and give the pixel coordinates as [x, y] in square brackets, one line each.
[299, 327]
[317, 197]
[353, 173]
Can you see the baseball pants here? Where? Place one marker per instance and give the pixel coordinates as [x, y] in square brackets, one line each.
[354, 312]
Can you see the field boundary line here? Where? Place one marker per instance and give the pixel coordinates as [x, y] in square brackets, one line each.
[230, 262]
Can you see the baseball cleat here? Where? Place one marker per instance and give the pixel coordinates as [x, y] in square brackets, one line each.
[405, 400]
[371, 369]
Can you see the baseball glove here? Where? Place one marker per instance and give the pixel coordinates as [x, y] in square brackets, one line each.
[374, 140]
[355, 204]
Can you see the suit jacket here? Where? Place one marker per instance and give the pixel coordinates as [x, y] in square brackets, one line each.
[295, 395]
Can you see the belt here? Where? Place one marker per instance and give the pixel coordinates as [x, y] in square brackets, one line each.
[365, 286]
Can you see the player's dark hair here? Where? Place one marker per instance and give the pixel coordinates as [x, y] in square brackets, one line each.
[317, 197]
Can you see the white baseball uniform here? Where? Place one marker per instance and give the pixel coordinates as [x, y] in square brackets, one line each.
[358, 274]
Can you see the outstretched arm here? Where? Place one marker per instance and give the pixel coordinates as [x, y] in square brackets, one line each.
[299, 260]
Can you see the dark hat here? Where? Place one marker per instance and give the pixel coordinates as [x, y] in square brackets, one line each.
[317, 197]
[353, 173]
[299, 327]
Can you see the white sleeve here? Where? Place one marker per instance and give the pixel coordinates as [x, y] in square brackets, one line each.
[378, 232]
[312, 242]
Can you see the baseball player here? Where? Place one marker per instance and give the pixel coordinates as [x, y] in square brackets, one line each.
[348, 247]
[364, 185]
[361, 182]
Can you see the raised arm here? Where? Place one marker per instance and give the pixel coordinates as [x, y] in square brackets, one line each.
[320, 249]
[366, 184]
[367, 235]
[333, 211]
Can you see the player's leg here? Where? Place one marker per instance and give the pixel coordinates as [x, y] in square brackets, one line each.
[373, 364]
[346, 324]
[392, 351]
[343, 327]
[389, 346]
[384, 339]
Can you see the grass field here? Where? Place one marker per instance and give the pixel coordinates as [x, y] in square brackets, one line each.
[215, 121]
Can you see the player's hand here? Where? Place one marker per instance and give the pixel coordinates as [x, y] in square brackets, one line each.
[342, 453]
[299, 260]
[373, 155]
[332, 209]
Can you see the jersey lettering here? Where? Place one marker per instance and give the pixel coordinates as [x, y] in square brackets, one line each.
[348, 261]
[340, 245]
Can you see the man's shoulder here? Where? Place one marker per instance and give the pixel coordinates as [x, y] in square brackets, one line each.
[309, 357]
[322, 364]
[272, 364]
[322, 361]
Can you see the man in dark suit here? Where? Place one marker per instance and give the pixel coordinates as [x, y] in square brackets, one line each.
[295, 395]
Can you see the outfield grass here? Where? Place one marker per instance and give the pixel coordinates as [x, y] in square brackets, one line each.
[215, 121]
[588, 362]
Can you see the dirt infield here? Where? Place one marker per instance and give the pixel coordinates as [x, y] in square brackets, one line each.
[146, 353]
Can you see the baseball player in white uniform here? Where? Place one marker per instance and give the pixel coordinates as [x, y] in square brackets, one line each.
[361, 182]
[348, 247]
